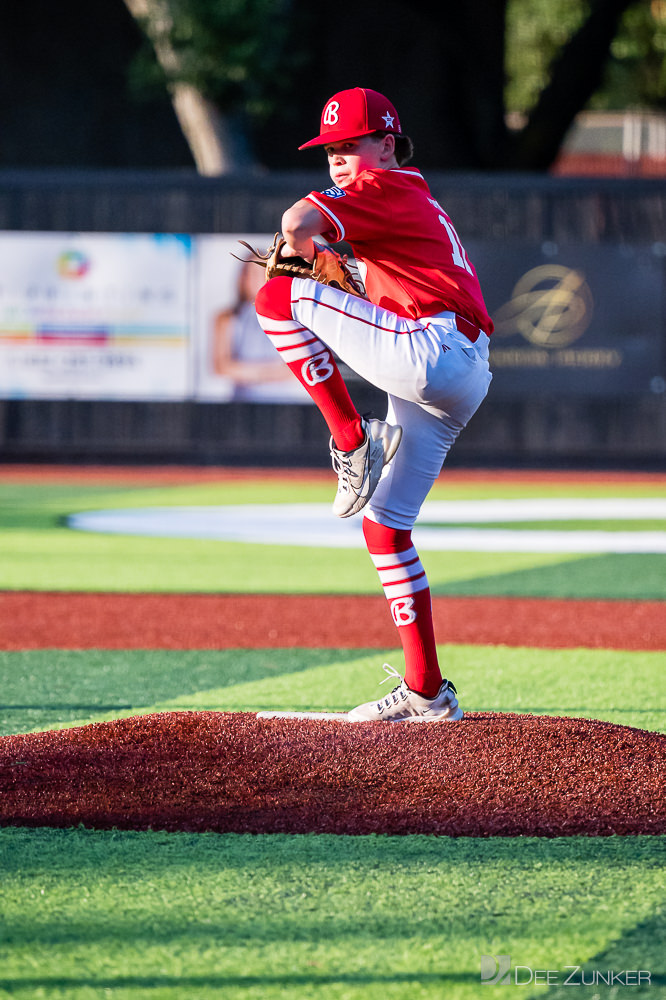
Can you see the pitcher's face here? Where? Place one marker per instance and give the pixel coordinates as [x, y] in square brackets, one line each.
[350, 157]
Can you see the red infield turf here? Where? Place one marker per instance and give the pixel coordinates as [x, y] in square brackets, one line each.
[34, 620]
[492, 774]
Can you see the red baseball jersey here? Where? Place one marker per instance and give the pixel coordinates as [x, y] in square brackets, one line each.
[415, 263]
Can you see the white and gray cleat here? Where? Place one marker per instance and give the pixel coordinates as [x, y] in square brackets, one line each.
[359, 471]
[405, 705]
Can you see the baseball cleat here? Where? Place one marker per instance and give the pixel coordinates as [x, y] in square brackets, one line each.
[405, 705]
[359, 471]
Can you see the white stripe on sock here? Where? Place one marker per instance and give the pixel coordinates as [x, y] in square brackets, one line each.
[400, 573]
[386, 560]
[303, 352]
[279, 325]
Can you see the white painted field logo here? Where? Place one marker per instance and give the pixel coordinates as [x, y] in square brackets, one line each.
[446, 523]
[317, 368]
[331, 113]
[402, 611]
[496, 970]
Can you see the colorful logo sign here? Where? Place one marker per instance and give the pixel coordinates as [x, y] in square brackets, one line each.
[72, 264]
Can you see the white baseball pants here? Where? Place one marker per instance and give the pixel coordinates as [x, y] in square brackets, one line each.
[434, 376]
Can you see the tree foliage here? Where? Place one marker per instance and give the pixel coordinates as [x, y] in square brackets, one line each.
[233, 51]
[635, 68]
[636, 74]
[459, 71]
[536, 30]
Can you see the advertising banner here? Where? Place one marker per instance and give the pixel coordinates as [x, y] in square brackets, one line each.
[234, 359]
[585, 319]
[92, 315]
[171, 317]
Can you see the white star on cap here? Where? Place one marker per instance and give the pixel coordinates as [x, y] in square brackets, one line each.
[388, 120]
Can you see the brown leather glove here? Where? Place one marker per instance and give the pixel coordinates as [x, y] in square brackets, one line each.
[328, 266]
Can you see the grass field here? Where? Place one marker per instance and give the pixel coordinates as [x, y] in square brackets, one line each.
[154, 915]
[40, 553]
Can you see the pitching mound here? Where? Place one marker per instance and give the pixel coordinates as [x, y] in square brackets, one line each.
[491, 774]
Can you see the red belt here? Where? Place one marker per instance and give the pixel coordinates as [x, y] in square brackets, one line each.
[467, 328]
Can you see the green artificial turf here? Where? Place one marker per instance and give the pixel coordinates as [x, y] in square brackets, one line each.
[40, 553]
[63, 560]
[92, 914]
[45, 689]
[613, 576]
[24, 504]
[86, 915]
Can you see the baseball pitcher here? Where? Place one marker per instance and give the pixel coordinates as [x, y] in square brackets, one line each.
[417, 328]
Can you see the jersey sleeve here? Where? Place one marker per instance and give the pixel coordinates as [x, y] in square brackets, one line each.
[357, 212]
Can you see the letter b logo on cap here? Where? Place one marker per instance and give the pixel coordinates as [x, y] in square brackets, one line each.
[330, 116]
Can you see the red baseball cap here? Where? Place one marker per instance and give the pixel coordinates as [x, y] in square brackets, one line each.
[353, 113]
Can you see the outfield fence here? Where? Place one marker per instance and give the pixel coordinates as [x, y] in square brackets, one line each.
[590, 394]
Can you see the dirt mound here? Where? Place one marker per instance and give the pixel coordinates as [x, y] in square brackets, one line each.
[492, 774]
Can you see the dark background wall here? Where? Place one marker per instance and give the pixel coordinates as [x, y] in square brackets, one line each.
[65, 99]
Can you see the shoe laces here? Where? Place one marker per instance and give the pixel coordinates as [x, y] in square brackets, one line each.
[391, 674]
[342, 467]
[349, 478]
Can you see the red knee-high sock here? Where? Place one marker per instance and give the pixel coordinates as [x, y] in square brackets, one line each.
[406, 588]
[311, 362]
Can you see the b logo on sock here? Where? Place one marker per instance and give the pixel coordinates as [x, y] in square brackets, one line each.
[402, 611]
[317, 368]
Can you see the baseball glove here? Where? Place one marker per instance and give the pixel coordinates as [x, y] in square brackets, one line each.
[328, 266]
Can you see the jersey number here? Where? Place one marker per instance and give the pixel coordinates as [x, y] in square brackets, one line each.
[457, 249]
